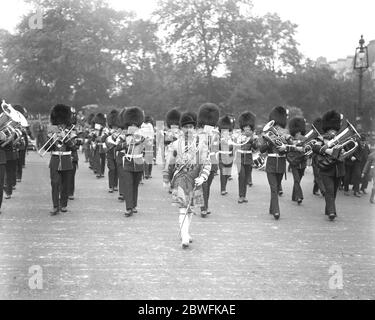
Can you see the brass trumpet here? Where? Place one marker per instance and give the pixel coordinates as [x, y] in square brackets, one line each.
[11, 122]
[56, 136]
[271, 134]
[344, 139]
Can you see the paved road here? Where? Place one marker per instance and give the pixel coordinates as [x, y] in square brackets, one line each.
[239, 252]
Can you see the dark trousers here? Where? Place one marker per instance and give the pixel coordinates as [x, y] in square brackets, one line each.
[2, 177]
[112, 173]
[318, 183]
[59, 184]
[22, 154]
[352, 176]
[364, 183]
[243, 179]
[331, 185]
[274, 180]
[250, 177]
[224, 176]
[10, 169]
[19, 167]
[91, 159]
[131, 180]
[147, 169]
[72, 179]
[297, 177]
[99, 163]
[206, 187]
[121, 179]
[102, 163]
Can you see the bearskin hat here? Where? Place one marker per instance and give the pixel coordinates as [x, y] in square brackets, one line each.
[149, 119]
[131, 116]
[331, 120]
[100, 119]
[297, 124]
[89, 119]
[112, 118]
[280, 115]
[188, 117]
[208, 115]
[60, 114]
[225, 122]
[317, 123]
[173, 118]
[247, 118]
[21, 109]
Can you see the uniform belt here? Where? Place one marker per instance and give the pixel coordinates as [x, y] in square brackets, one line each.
[225, 152]
[276, 155]
[61, 153]
[244, 151]
[212, 153]
[133, 156]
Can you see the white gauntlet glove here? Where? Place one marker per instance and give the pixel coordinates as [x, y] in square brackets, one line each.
[199, 181]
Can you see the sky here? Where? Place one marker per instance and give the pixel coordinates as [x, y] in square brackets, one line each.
[328, 28]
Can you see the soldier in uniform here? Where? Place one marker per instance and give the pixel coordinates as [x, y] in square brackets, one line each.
[353, 169]
[12, 155]
[318, 183]
[3, 161]
[132, 147]
[276, 149]
[172, 120]
[149, 151]
[191, 164]
[332, 171]
[369, 170]
[297, 159]
[208, 116]
[74, 148]
[225, 154]
[366, 152]
[22, 144]
[112, 121]
[61, 158]
[87, 140]
[99, 149]
[243, 156]
[120, 154]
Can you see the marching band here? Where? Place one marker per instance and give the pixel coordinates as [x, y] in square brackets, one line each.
[193, 148]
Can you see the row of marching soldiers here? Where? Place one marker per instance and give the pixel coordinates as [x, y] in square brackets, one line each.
[123, 145]
[125, 141]
[13, 147]
[196, 145]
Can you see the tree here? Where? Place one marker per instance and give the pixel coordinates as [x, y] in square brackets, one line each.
[200, 31]
[70, 59]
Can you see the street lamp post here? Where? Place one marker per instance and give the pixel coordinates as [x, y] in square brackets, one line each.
[361, 65]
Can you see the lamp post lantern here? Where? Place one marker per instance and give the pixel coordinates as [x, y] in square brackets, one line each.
[361, 65]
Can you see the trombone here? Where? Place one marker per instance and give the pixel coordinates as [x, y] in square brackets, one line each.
[53, 139]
